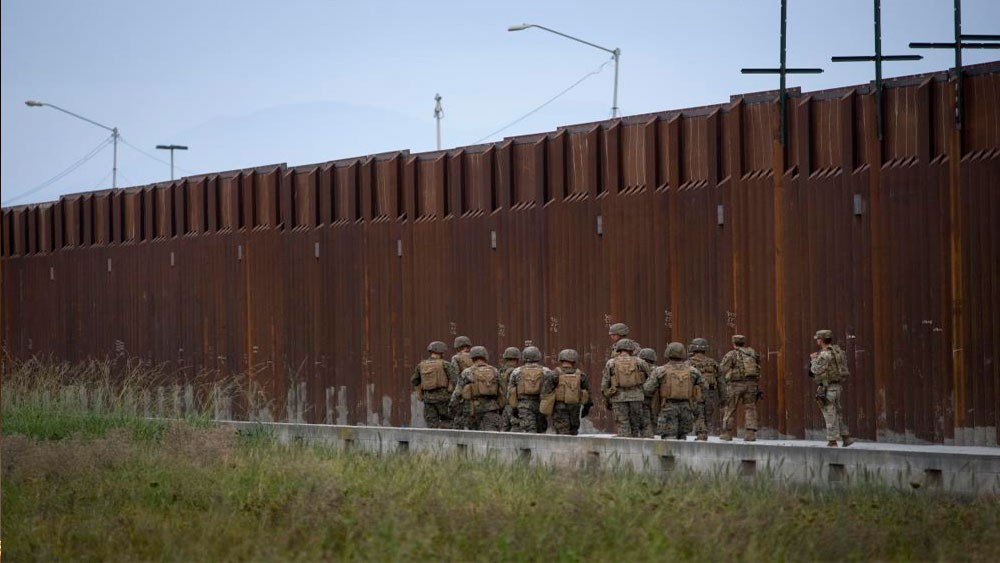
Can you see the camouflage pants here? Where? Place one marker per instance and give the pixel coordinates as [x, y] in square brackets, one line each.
[566, 419]
[833, 414]
[460, 416]
[437, 414]
[703, 423]
[528, 419]
[507, 416]
[488, 421]
[676, 419]
[632, 419]
[740, 393]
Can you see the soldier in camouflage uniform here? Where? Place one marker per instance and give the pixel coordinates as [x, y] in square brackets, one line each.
[511, 359]
[621, 386]
[741, 373]
[479, 385]
[523, 393]
[677, 385]
[462, 361]
[619, 331]
[699, 359]
[569, 392]
[829, 368]
[434, 380]
[648, 355]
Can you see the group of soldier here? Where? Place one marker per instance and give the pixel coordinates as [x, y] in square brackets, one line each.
[671, 400]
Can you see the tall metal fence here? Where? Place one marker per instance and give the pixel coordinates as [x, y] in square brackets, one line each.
[328, 280]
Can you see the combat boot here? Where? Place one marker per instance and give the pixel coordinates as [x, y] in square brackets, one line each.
[726, 437]
[847, 440]
[750, 436]
[702, 437]
[831, 444]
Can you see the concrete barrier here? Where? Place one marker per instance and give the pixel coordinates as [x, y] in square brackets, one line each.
[966, 470]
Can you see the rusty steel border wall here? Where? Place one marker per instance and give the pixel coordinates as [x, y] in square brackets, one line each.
[328, 280]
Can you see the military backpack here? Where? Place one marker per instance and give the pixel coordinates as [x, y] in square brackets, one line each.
[530, 382]
[568, 388]
[838, 370]
[677, 382]
[485, 382]
[626, 371]
[464, 361]
[433, 375]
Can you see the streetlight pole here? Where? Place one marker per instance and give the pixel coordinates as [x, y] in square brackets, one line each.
[172, 148]
[114, 134]
[438, 115]
[615, 53]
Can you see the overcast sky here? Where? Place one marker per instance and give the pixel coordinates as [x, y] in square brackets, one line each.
[250, 83]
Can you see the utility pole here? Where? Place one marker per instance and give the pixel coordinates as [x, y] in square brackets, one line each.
[438, 116]
[172, 148]
[114, 134]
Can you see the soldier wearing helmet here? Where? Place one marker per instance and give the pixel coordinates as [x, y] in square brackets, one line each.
[511, 359]
[619, 331]
[828, 367]
[677, 384]
[648, 355]
[479, 386]
[621, 385]
[461, 360]
[524, 393]
[740, 369]
[434, 380]
[566, 394]
[699, 359]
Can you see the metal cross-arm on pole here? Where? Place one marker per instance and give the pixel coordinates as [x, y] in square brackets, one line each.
[877, 58]
[615, 53]
[172, 148]
[114, 134]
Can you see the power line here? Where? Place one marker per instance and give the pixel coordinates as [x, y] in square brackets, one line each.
[549, 101]
[161, 161]
[67, 171]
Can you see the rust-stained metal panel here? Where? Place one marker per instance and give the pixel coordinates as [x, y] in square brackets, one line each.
[325, 282]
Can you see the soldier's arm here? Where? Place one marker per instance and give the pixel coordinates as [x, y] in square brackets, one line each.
[606, 377]
[549, 381]
[727, 362]
[415, 378]
[457, 393]
[699, 379]
[821, 362]
[452, 372]
[652, 382]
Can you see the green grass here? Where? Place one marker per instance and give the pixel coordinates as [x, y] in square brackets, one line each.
[119, 488]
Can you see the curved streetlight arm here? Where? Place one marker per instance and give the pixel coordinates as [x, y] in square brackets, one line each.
[76, 115]
[614, 52]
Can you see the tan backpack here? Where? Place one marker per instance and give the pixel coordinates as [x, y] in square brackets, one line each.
[626, 371]
[433, 375]
[677, 382]
[568, 389]
[485, 381]
[464, 361]
[748, 363]
[839, 371]
[530, 382]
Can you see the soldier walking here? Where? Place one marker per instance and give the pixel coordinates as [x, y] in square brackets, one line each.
[479, 386]
[523, 391]
[462, 361]
[566, 394]
[511, 359]
[619, 331]
[741, 373]
[699, 359]
[434, 380]
[622, 388]
[648, 355]
[677, 384]
[829, 368]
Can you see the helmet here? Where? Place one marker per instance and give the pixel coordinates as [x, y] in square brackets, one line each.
[674, 351]
[824, 334]
[479, 352]
[462, 341]
[621, 329]
[648, 354]
[512, 353]
[739, 339]
[437, 347]
[698, 345]
[624, 344]
[569, 355]
[532, 354]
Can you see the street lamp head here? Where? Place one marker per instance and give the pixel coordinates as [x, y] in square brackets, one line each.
[34, 103]
[519, 27]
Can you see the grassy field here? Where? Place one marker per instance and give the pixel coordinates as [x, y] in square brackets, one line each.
[87, 483]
